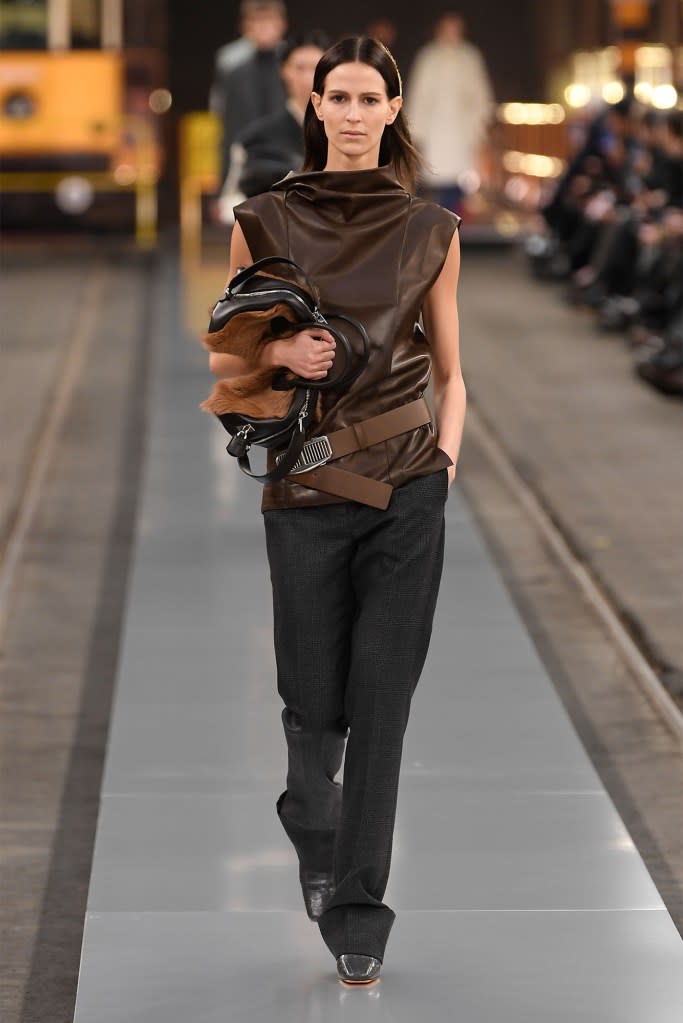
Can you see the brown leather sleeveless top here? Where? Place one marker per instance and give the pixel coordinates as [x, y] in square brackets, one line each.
[374, 252]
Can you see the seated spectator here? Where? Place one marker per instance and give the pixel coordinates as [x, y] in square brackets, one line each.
[616, 227]
[598, 170]
[663, 367]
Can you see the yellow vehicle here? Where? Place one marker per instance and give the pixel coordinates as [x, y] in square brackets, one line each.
[81, 96]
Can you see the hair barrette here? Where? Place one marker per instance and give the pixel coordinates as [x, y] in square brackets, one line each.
[393, 61]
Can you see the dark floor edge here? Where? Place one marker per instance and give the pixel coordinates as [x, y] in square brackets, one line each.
[63, 909]
[669, 675]
[36, 441]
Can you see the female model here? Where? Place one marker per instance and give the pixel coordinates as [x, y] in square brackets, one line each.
[355, 546]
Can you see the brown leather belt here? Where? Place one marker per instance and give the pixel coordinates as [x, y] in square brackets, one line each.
[357, 437]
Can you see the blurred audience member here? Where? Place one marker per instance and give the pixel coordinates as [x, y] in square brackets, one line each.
[598, 174]
[272, 146]
[449, 102]
[615, 230]
[247, 82]
[383, 30]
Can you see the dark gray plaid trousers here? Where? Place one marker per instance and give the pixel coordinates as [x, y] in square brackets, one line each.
[354, 593]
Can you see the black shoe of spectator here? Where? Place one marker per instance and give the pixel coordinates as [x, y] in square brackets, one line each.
[663, 369]
[541, 250]
[559, 267]
[593, 296]
[588, 296]
[617, 313]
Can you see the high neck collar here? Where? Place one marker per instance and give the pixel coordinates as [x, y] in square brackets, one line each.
[372, 181]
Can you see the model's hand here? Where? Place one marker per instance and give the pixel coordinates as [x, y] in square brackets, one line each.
[308, 354]
[451, 475]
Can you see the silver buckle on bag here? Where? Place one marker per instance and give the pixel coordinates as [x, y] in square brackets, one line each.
[315, 452]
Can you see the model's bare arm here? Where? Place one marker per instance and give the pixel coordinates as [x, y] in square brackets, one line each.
[309, 354]
[440, 315]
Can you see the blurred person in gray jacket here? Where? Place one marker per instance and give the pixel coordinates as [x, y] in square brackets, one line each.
[449, 102]
[273, 146]
[247, 84]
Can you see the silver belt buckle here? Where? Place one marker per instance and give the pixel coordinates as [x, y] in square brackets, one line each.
[315, 452]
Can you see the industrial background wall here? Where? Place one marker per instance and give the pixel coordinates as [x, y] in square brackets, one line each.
[199, 27]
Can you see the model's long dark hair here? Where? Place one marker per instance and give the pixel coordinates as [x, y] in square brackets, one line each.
[396, 148]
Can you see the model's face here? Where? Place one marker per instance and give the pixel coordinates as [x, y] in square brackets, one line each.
[297, 73]
[355, 110]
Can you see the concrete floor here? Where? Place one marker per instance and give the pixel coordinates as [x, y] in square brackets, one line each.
[513, 875]
[601, 450]
[547, 874]
[62, 589]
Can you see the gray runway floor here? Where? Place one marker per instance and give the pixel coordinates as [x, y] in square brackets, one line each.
[519, 894]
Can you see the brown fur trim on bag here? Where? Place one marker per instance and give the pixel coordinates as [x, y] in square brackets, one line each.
[245, 332]
[250, 395]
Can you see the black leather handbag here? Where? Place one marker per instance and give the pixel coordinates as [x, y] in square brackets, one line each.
[258, 308]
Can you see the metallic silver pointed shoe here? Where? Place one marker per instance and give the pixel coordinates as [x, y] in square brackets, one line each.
[317, 890]
[358, 969]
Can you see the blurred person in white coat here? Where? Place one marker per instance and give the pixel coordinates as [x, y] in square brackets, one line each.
[450, 102]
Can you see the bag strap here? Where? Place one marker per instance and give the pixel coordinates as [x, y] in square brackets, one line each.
[347, 380]
[291, 454]
[250, 271]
